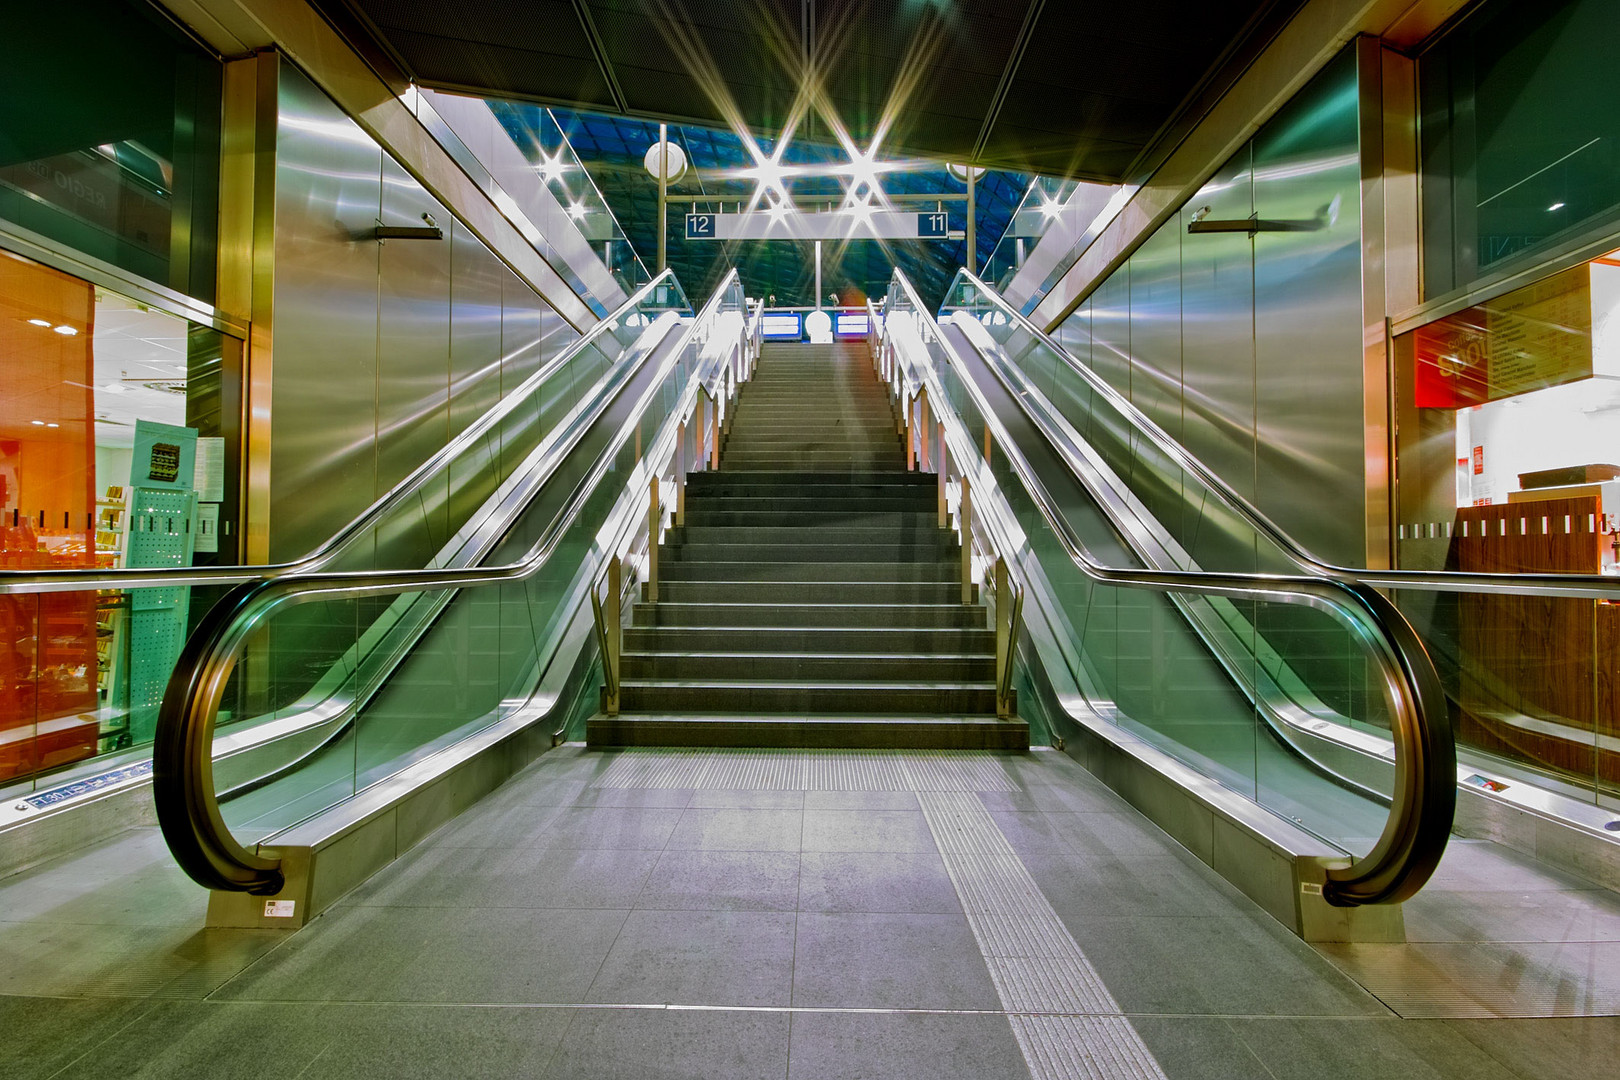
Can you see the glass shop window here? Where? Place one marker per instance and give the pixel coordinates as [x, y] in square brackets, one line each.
[1520, 136]
[109, 137]
[119, 437]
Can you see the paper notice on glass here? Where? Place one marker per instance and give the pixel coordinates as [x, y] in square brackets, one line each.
[207, 527]
[210, 472]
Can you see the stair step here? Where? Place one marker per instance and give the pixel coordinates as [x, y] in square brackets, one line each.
[869, 519]
[811, 592]
[921, 548]
[801, 667]
[882, 478]
[682, 613]
[670, 695]
[821, 733]
[810, 572]
[954, 641]
[832, 533]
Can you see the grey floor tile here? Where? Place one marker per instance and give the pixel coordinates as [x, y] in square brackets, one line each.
[902, 1046]
[1487, 979]
[1167, 885]
[610, 827]
[722, 881]
[1307, 1049]
[720, 829]
[869, 960]
[1247, 965]
[866, 830]
[861, 800]
[1554, 1048]
[126, 880]
[496, 825]
[72, 960]
[699, 958]
[633, 1044]
[731, 798]
[44, 1035]
[1058, 798]
[214, 1041]
[669, 798]
[1589, 915]
[1126, 833]
[435, 954]
[1197, 1048]
[895, 881]
[521, 878]
[1477, 866]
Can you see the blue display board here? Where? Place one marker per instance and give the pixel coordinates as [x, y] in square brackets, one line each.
[935, 225]
[782, 326]
[851, 324]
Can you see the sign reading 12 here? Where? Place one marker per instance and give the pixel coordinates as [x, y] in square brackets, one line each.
[700, 226]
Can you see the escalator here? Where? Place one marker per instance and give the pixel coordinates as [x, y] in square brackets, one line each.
[392, 678]
[1157, 611]
[1534, 769]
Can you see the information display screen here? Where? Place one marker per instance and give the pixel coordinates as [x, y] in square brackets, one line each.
[852, 324]
[782, 326]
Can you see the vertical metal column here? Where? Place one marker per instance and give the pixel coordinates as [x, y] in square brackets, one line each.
[818, 275]
[965, 517]
[972, 226]
[924, 431]
[944, 470]
[655, 518]
[680, 473]
[663, 194]
[1004, 639]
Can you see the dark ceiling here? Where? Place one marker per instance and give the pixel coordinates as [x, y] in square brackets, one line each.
[1075, 88]
[611, 149]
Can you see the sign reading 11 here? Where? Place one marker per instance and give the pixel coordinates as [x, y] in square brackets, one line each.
[933, 224]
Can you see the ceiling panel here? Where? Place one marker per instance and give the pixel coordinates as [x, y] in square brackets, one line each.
[1094, 84]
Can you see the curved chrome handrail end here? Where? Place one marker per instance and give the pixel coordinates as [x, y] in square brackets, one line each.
[183, 758]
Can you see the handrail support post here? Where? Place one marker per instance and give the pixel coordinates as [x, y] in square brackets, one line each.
[964, 516]
[655, 519]
[1004, 639]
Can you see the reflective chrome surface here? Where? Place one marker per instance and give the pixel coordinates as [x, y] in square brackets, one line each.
[1415, 830]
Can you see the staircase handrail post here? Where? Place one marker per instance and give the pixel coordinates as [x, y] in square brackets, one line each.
[964, 515]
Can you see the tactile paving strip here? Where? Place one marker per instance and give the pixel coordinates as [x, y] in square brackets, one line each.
[1066, 1022]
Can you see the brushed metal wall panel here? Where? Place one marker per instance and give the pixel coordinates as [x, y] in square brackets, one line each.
[1217, 343]
[413, 363]
[523, 326]
[1156, 368]
[475, 363]
[328, 195]
[1111, 330]
[1310, 461]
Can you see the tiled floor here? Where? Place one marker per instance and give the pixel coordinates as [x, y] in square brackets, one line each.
[785, 920]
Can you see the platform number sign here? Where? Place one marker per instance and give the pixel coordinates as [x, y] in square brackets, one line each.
[933, 225]
[700, 226]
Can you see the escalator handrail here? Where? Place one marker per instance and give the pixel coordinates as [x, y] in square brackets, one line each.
[182, 782]
[1424, 798]
[33, 581]
[1530, 584]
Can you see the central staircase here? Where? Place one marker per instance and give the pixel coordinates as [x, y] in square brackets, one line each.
[810, 599]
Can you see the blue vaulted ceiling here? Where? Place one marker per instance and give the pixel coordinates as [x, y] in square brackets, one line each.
[612, 149]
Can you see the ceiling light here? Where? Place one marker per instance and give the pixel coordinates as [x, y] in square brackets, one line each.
[53, 425]
[37, 423]
[576, 210]
[1555, 206]
[39, 322]
[65, 331]
[113, 388]
[1051, 209]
